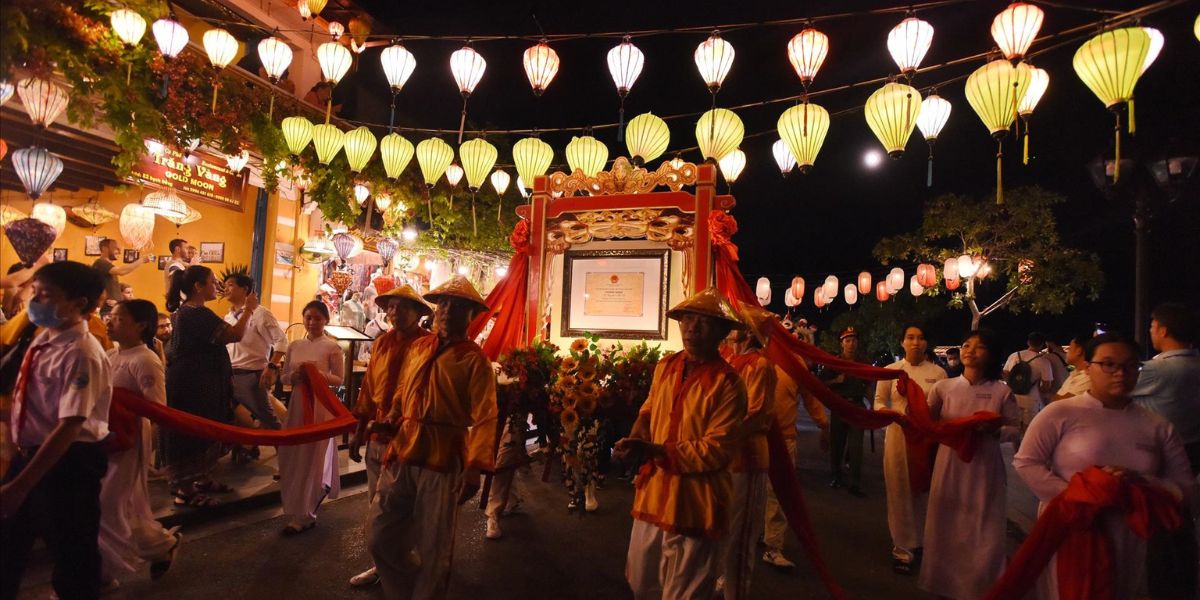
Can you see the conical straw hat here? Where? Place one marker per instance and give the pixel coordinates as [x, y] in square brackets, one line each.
[457, 287]
[709, 303]
[404, 292]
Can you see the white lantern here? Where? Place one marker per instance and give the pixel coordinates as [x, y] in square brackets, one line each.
[732, 165]
[454, 174]
[967, 266]
[1039, 80]
[915, 286]
[762, 290]
[1156, 45]
[50, 214]
[361, 193]
[237, 162]
[850, 293]
[783, 156]
[166, 203]
[128, 25]
[136, 225]
[908, 42]
[1015, 28]
[789, 300]
[334, 60]
[275, 56]
[625, 64]
[895, 280]
[830, 287]
[950, 269]
[500, 181]
[170, 36]
[714, 58]
[43, 99]
[935, 111]
[6, 91]
[398, 65]
[37, 169]
[467, 66]
[221, 47]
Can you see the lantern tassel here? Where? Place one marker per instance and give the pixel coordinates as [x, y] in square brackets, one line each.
[1117, 148]
[474, 222]
[216, 88]
[329, 107]
[429, 203]
[1132, 121]
[392, 115]
[999, 172]
[462, 120]
[271, 109]
[500, 213]
[451, 203]
[1025, 157]
[128, 72]
[621, 121]
[929, 170]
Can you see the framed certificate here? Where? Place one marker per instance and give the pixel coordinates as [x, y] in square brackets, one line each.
[616, 293]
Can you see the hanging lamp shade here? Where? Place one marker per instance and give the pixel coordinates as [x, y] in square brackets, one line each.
[94, 214]
[935, 111]
[915, 287]
[892, 114]
[275, 56]
[895, 280]
[315, 6]
[1015, 28]
[192, 216]
[343, 244]
[587, 154]
[994, 91]
[719, 132]
[398, 65]
[950, 268]
[807, 51]
[625, 63]
[128, 25]
[732, 165]
[165, 203]
[37, 169]
[926, 275]
[433, 156]
[237, 162]
[359, 145]
[819, 299]
[1039, 80]
[500, 181]
[386, 249]
[50, 214]
[328, 140]
[864, 283]
[908, 42]
[762, 291]
[305, 12]
[850, 293]
[881, 291]
[170, 36]
[43, 100]
[1111, 63]
[830, 286]
[523, 189]
[803, 127]
[789, 300]
[478, 158]
[454, 174]
[646, 138]
[532, 157]
[783, 156]
[335, 61]
[8, 214]
[297, 132]
[714, 58]
[797, 287]
[396, 152]
[136, 225]
[541, 65]
[467, 66]
[361, 193]
[221, 47]
[967, 266]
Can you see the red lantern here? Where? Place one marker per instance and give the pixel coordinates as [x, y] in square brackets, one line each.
[798, 287]
[819, 297]
[864, 283]
[881, 291]
[926, 275]
[952, 284]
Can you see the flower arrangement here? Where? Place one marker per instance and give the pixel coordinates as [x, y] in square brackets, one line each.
[531, 372]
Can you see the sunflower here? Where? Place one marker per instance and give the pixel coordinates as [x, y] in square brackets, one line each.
[589, 390]
[569, 419]
[567, 382]
[579, 345]
[586, 406]
[587, 373]
[569, 363]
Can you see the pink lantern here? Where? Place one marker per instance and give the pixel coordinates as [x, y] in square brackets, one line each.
[762, 290]
[798, 287]
[864, 283]
[881, 291]
[850, 293]
[895, 280]
[926, 275]
[950, 270]
[952, 284]
[386, 248]
[819, 297]
[915, 286]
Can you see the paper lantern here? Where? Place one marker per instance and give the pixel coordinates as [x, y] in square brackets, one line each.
[328, 140]
[335, 61]
[136, 225]
[3, 149]
[714, 58]
[297, 132]
[797, 287]
[315, 6]
[361, 193]
[803, 127]
[950, 268]
[783, 156]
[926, 275]
[732, 165]
[237, 162]
[386, 248]
[625, 64]
[895, 280]
[819, 299]
[864, 283]
[94, 214]
[317, 250]
[359, 145]
[396, 152]
[165, 203]
[967, 266]
[1196, 27]
[305, 12]
[807, 51]
[398, 65]
[952, 284]
[915, 287]
[831, 287]
[532, 157]
[43, 100]
[541, 65]
[719, 132]
[762, 290]
[523, 189]
[128, 25]
[384, 202]
[500, 181]
[994, 91]
[1156, 45]
[30, 238]
[37, 169]
[1016, 27]
[586, 154]
[192, 216]
[1111, 63]
[908, 42]
[275, 56]
[50, 214]
[467, 66]
[935, 111]
[646, 138]
[1039, 80]
[433, 156]
[221, 47]
[6, 91]
[454, 174]
[343, 244]
[478, 158]
[789, 300]
[336, 30]
[892, 114]
[881, 291]
[170, 36]
[850, 294]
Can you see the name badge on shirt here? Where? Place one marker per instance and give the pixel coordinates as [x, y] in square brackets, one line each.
[983, 395]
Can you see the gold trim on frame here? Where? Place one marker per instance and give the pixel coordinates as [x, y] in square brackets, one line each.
[623, 178]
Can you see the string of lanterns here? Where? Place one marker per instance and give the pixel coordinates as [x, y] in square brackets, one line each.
[956, 271]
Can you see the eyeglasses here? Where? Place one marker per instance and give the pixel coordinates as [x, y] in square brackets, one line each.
[1110, 367]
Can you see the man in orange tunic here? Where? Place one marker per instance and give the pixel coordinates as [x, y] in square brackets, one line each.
[444, 412]
[689, 430]
[404, 308]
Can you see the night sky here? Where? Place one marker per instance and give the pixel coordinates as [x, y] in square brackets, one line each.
[829, 220]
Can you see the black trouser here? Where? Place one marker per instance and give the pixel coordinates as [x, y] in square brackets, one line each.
[63, 508]
[845, 446]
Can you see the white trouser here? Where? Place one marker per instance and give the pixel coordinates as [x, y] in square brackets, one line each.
[739, 550]
[672, 566]
[414, 514]
[129, 534]
[776, 522]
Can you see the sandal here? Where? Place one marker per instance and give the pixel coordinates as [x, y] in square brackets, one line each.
[195, 499]
[293, 529]
[209, 486]
[159, 568]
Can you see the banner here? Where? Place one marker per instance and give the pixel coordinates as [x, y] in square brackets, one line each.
[198, 176]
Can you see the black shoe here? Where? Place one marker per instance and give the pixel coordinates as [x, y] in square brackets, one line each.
[856, 492]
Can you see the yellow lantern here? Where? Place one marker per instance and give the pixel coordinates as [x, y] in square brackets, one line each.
[994, 91]
[275, 56]
[714, 58]
[908, 42]
[328, 140]
[586, 154]
[646, 138]
[128, 25]
[136, 225]
[315, 6]
[803, 128]
[398, 65]
[396, 152]
[732, 165]
[50, 214]
[298, 132]
[221, 47]
[935, 111]
[334, 60]
[478, 158]
[359, 145]
[532, 157]
[807, 51]
[43, 100]
[718, 133]
[892, 114]
[1038, 82]
[433, 156]
[1196, 28]
[541, 65]
[1015, 28]
[1110, 65]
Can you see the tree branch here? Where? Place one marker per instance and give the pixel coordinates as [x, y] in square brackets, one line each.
[1000, 302]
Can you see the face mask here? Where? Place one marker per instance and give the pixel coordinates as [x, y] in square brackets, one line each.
[43, 315]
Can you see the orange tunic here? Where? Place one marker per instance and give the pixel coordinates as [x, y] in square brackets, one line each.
[758, 374]
[446, 402]
[787, 405]
[379, 382]
[698, 420]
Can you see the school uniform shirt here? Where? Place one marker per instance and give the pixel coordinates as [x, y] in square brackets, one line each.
[698, 421]
[758, 375]
[69, 377]
[1169, 385]
[262, 337]
[1042, 371]
[1077, 384]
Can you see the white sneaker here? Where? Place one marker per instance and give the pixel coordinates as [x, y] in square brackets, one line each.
[776, 558]
[590, 503]
[364, 579]
[493, 529]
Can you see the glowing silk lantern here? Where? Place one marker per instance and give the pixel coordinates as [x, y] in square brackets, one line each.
[732, 165]
[237, 162]
[803, 127]
[926, 275]
[994, 91]
[719, 132]
[967, 266]
[819, 297]
[646, 138]
[915, 287]
[864, 283]
[952, 284]
[1038, 82]
[1016, 27]
[50, 214]
[807, 51]
[6, 91]
[532, 157]
[221, 47]
[789, 300]
[305, 12]
[797, 287]
[895, 280]
[467, 66]
[343, 244]
[541, 65]
[136, 225]
[908, 42]
[37, 169]
[985, 269]
[275, 56]
[500, 181]
[523, 189]
[1110, 65]
[625, 63]
[714, 58]
[762, 291]
[398, 65]
[166, 203]
[783, 157]
[8, 214]
[1196, 28]
[315, 6]
[328, 140]
[892, 114]
[881, 291]
[830, 287]
[170, 36]
[43, 100]
[336, 30]
[850, 294]
[586, 154]
[1156, 45]
[454, 174]
[361, 193]
[478, 158]
[359, 145]
[433, 156]
[334, 60]
[384, 202]
[297, 132]
[128, 25]
[396, 152]
[950, 268]
[386, 248]
[935, 111]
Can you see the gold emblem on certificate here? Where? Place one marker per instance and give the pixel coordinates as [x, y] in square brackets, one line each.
[613, 294]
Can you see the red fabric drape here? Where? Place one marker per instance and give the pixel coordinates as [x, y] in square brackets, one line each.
[190, 424]
[1070, 527]
[509, 297]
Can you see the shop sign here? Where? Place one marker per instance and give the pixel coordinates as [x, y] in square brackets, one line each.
[200, 176]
